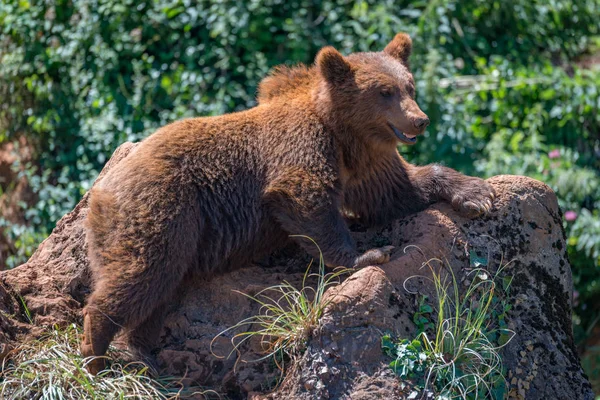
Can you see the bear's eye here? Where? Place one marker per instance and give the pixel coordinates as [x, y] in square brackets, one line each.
[386, 92]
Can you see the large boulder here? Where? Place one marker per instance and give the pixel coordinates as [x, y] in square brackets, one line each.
[343, 356]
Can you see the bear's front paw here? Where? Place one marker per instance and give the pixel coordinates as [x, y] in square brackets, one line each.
[374, 257]
[475, 197]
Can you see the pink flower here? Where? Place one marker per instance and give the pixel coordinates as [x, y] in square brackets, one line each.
[570, 216]
[554, 153]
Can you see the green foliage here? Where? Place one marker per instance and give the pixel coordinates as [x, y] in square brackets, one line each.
[586, 231]
[24, 239]
[591, 364]
[455, 352]
[497, 78]
[422, 318]
[411, 362]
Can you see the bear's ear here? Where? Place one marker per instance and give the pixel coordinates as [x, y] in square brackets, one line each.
[332, 66]
[400, 48]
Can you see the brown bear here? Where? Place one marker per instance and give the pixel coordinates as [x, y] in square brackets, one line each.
[205, 195]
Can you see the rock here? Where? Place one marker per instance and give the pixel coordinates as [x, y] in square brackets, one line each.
[524, 228]
[343, 357]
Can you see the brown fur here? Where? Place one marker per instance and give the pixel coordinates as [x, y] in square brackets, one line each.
[209, 194]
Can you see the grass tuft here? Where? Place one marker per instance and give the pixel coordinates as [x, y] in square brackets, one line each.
[287, 315]
[51, 368]
[456, 356]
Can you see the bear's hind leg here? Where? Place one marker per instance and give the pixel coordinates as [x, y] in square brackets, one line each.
[144, 337]
[135, 273]
[128, 302]
[99, 330]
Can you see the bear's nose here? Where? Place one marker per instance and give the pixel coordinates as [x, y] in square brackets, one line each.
[421, 123]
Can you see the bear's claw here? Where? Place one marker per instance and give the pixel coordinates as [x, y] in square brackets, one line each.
[474, 198]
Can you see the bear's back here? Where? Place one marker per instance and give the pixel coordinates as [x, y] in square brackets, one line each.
[214, 171]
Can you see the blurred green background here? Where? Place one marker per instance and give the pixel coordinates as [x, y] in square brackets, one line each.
[511, 87]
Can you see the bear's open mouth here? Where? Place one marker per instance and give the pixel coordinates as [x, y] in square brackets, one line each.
[408, 139]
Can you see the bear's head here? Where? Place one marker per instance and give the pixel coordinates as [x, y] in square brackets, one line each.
[370, 94]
